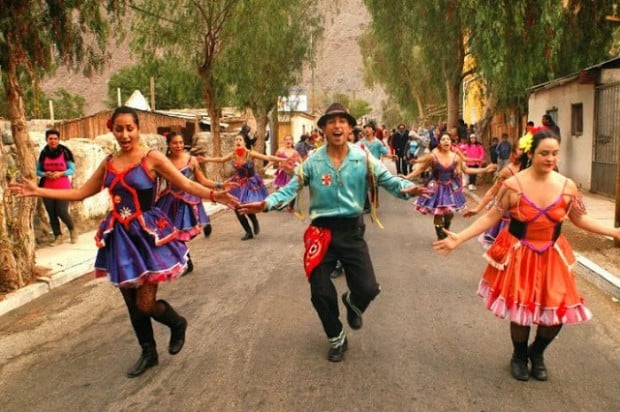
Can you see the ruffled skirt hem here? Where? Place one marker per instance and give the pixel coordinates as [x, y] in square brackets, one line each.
[526, 314]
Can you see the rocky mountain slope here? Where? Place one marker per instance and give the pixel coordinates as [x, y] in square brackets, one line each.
[338, 68]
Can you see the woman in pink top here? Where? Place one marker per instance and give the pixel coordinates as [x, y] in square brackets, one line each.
[55, 165]
[474, 151]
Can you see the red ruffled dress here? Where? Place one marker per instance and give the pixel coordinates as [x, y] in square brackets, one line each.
[529, 278]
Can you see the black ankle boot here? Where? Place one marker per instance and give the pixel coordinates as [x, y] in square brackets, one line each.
[207, 230]
[518, 368]
[190, 266]
[539, 370]
[177, 325]
[147, 360]
[247, 236]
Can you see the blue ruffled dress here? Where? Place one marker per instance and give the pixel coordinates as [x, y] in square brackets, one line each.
[251, 187]
[447, 191]
[184, 209]
[137, 242]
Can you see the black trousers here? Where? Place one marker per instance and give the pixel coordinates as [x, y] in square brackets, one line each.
[348, 246]
[401, 165]
[58, 210]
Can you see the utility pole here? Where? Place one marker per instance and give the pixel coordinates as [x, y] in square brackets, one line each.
[152, 93]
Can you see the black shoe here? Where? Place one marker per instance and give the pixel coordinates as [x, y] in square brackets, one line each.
[207, 230]
[190, 267]
[147, 360]
[518, 369]
[247, 236]
[256, 228]
[177, 337]
[336, 353]
[354, 316]
[539, 370]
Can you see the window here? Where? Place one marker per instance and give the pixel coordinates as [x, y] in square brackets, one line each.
[576, 119]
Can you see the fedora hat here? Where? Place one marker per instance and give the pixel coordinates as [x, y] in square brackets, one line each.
[336, 109]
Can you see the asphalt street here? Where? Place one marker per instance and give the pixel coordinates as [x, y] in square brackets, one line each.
[254, 342]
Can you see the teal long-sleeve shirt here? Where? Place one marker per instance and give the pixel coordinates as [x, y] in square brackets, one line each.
[338, 192]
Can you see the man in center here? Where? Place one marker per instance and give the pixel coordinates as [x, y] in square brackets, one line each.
[339, 175]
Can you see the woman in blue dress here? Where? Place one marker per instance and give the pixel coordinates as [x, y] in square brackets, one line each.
[138, 244]
[251, 187]
[445, 183]
[184, 209]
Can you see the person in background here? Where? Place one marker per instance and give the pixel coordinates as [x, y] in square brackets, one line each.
[247, 139]
[54, 167]
[138, 244]
[547, 121]
[399, 141]
[185, 210]
[503, 150]
[474, 152]
[282, 177]
[493, 149]
[338, 175]
[413, 149]
[374, 146]
[445, 184]
[250, 187]
[529, 279]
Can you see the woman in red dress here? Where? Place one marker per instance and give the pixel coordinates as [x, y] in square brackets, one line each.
[529, 279]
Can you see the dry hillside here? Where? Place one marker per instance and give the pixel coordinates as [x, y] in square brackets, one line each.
[338, 68]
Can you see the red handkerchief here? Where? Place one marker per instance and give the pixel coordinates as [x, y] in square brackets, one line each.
[316, 242]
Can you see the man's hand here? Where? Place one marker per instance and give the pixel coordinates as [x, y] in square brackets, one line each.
[414, 190]
[251, 208]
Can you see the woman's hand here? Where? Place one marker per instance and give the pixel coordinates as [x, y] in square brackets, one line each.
[23, 188]
[225, 198]
[230, 185]
[445, 246]
[251, 208]
[471, 212]
[414, 190]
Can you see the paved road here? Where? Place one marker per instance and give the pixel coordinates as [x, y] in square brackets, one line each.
[255, 343]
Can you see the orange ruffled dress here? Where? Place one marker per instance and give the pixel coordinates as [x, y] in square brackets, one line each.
[529, 278]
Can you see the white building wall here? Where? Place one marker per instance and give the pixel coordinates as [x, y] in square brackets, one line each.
[575, 151]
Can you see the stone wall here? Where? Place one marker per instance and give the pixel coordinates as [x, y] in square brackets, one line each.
[89, 153]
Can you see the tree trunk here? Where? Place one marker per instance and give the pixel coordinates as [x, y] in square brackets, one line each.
[452, 100]
[17, 241]
[214, 117]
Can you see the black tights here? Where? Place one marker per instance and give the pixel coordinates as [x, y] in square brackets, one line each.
[245, 224]
[520, 335]
[142, 305]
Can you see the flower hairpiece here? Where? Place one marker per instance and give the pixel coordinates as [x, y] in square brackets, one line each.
[525, 142]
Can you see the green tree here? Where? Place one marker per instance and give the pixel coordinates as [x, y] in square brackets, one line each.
[175, 86]
[415, 45]
[195, 34]
[269, 52]
[36, 105]
[34, 36]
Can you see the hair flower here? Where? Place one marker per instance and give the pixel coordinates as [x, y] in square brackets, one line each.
[525, 142]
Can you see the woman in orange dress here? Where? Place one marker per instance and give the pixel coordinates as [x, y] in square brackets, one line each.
[529, 279]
